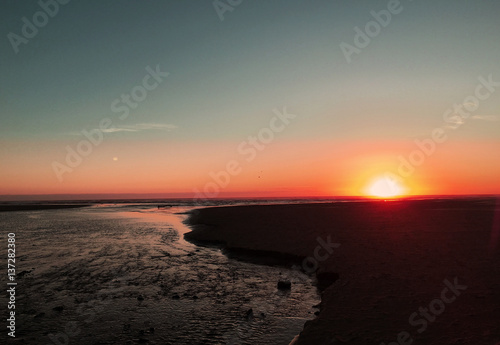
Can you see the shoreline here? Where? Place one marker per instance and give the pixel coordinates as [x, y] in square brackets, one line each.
[264, 257]
[38, 207]
[200, 235]
[259, 257]
[393, 258]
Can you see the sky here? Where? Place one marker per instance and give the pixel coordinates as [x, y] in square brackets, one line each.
[249, 98]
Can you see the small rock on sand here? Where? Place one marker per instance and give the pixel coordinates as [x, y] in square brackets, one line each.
[249, 314]
[284, 285]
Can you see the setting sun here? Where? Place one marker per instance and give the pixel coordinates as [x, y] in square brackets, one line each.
[385, 187]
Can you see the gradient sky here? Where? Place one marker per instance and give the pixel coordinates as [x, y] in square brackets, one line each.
[353, 120]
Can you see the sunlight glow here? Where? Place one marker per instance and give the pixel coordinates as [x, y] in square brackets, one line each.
[385, 187]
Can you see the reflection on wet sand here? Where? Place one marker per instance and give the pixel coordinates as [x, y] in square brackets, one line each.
[124, 274]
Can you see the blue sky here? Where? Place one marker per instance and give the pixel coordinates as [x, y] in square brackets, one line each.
[227, 74]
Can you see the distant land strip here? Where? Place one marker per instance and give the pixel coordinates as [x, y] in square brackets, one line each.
[34, 207]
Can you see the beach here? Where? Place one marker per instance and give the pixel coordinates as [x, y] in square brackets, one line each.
[391, 272]
[123, 274]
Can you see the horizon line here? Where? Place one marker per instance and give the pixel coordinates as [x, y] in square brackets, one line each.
[180, 196]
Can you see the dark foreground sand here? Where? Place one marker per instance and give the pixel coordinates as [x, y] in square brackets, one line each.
[410, 272]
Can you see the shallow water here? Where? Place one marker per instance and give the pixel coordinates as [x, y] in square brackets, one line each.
[123, 274]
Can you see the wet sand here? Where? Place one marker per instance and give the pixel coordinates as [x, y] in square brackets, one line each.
[409, 272]
[123, 274]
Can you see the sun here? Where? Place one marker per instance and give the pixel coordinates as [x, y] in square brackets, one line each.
[385, 187]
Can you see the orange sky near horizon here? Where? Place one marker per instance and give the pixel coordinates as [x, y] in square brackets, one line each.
[282, 169]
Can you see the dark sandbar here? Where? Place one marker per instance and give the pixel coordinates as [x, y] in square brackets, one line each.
[393, 259]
